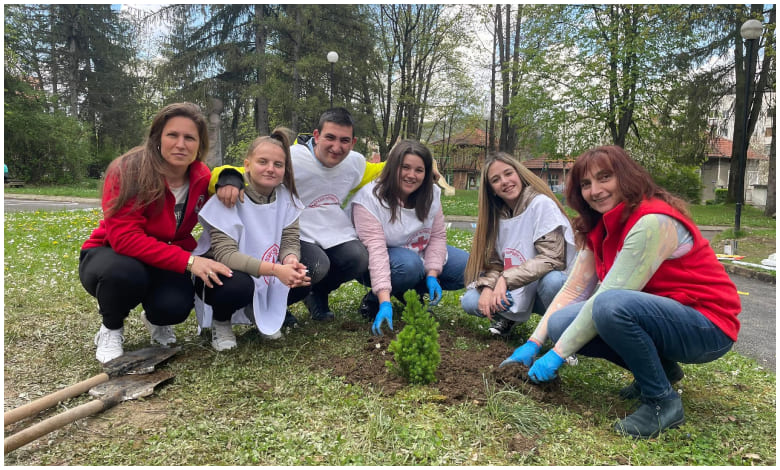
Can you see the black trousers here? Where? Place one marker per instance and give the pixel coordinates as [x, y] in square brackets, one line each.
[234, 293]
[120, 283]
[329, 268]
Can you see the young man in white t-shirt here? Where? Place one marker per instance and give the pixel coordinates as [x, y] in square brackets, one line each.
[326, 170]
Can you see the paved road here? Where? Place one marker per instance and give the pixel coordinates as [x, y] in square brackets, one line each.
[757, 333]
[756, 338]
[16, 203]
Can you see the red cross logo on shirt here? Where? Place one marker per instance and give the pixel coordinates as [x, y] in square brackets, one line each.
[270, 256]
[419, 244]
[512, 258]
[418, 241]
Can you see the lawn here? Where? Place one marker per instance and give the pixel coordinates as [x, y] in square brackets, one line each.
[291, 403]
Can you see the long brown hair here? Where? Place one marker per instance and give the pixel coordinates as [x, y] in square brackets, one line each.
[490, 208]
[387, 188]
[139, 172]
[280, 137]
[634, 182]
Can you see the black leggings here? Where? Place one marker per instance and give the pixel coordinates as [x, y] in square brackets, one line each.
[120, 283]
[234, 293]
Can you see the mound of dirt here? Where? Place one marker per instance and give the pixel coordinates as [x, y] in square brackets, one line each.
[462, 375]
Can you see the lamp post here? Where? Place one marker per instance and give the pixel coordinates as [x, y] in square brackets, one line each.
[750, 31]
[333, 57]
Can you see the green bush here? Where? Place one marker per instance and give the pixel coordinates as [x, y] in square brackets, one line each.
[721, 195]
[416, 350]
[682, 181]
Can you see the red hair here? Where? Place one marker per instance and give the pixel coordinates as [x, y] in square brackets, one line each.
[634, 182]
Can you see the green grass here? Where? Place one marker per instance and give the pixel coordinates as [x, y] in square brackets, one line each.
[462, 203]
[89, 188]
[276, 403]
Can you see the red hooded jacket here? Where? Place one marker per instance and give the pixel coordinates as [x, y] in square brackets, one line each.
[149, 234]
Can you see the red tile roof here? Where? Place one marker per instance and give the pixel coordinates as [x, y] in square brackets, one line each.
[720, 147]
[469, 137]
[538, 163]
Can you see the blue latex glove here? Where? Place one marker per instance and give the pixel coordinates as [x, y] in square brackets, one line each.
[385, 314]
[525, 354]
[434, 290]
[544, 369]
[507, 305]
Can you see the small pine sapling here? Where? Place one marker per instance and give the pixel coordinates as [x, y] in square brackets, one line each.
[416, 349]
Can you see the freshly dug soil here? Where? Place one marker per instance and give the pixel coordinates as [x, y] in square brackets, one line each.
[462, 373]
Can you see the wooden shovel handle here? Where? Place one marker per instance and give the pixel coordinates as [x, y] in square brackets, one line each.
[52, 399]
[55, 422]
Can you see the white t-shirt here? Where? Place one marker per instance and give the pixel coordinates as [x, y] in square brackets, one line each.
[406, 230]
[515, 244]
[323, 192]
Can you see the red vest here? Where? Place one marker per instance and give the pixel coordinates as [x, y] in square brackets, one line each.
[697, 279]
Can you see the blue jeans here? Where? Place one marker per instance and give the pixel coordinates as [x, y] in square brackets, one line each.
[407, 271]
[546, 289]
[641, 331]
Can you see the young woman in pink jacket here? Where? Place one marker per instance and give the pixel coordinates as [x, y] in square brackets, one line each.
[400, 220]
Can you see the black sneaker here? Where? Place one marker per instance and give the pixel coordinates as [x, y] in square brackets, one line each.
[318, 308]
[501, 326]
[651, 419]
[369, 306]
[290, 321]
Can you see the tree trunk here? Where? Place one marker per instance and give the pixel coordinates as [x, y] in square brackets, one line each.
[261, 101]
[73, 67]
[771, 190]
[296, 84]
[492, 127]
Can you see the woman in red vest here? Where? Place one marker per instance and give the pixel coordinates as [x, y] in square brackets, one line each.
[646, 291]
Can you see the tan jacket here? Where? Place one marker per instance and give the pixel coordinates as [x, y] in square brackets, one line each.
[225, 250]
[551, 256]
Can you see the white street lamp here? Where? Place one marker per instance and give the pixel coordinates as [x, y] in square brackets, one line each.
[333, 57]
[750, 31]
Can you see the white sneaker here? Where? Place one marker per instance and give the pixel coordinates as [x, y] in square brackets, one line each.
[109, 344]
[222, 336]
[160, 334]
[272, 336]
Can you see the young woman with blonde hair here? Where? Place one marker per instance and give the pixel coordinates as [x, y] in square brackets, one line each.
[259, 240]
[522, 249]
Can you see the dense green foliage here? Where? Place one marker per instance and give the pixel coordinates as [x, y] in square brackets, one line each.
[682, 181]
[546, 80]
[71, 91]
[416, 349]
[41, 146]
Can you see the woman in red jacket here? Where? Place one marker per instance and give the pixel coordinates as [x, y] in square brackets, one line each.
[646, 291]
[140, 253]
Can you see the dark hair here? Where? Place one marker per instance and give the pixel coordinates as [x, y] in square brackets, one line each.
[280, 137]
[633, 181]
[139, 172]
[387, 184]
[338, 116]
